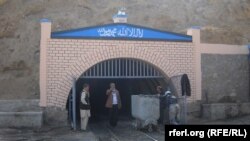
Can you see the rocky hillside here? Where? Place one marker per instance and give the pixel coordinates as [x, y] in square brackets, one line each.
[222, 21]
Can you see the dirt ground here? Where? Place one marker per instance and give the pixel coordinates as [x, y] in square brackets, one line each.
[45, 134]
[97, 132]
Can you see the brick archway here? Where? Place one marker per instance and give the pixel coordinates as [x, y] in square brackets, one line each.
[81, 65]
[67, 59]
[67, 54]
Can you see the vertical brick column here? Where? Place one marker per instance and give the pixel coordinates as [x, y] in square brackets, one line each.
[195, 32]
[45, 36]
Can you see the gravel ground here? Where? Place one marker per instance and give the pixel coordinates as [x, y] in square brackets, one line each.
[45, 134]
[97, 131]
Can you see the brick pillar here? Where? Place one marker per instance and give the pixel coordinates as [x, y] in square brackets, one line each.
[195, 33]
[45, 36]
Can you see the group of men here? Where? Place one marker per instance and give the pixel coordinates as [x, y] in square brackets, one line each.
[169, 108]
[113, 103]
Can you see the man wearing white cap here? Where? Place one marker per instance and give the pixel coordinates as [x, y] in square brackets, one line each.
[174, 108]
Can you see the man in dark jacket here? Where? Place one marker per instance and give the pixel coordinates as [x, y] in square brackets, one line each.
[113, 103]
[84, 107]
[162, 103]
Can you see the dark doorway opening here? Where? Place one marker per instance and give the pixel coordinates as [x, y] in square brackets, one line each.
[131, 76]
[126, 87]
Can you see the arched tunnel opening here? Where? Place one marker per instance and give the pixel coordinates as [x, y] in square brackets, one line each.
[130, 76]
[126, 87]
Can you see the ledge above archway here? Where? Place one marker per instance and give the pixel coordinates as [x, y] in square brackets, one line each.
[64, 57]
[122, 31]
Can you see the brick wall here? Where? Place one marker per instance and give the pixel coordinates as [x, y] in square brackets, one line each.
[70, 58]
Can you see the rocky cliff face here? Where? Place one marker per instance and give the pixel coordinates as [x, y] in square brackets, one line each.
[222, 21]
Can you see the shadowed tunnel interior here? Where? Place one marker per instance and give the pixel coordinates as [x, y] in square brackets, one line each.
[131, 77]
[126, 87]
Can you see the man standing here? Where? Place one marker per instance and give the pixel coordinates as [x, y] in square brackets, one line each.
[162, 104]
[113, 103]
[84, 107]
[174, 108]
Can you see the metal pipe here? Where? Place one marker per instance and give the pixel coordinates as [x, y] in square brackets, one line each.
[87, 74]
[153, 71]
[147, 70]
[144, 69]
[70, 109]
[74, 103]
[101, 69]
[137, 68]
[119, 67]
[126, 67]
[97, 74]
[151, 68]
[105, 73]
[94, 70]
[149, 136]
[122, 68]
[108, 68]
[112, 69]
[115, 68]
[133, 62]
[141, 68]
[90, 71]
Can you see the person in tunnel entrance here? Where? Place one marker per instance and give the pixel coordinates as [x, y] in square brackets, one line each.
[84, 107]
[173, 108]
[162, 107]
[113, 103]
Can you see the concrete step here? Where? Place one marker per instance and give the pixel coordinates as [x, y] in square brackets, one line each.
[20, 113]
[216, 111]
[19, 105]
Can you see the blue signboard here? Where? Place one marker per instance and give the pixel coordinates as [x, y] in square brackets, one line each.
[121, 31]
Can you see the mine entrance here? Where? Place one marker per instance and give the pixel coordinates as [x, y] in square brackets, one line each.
[131, 77]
